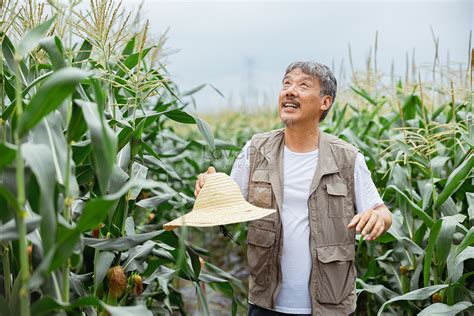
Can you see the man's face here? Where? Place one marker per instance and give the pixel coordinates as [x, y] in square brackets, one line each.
[299, 100]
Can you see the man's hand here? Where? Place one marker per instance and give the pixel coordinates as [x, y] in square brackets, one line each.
[372, 223]
[200, 180]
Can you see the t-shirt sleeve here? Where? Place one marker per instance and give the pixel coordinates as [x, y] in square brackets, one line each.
[366, 195]
[240, 169]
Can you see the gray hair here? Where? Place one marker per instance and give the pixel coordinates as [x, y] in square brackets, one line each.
[327, 81]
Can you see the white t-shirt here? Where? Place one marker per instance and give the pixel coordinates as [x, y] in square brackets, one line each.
[298, 171]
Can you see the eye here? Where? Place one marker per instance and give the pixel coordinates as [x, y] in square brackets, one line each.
[304, 84]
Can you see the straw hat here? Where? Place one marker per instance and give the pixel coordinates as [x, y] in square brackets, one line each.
[219, 202]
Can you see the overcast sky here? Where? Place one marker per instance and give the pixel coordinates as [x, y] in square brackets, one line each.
[243, 47]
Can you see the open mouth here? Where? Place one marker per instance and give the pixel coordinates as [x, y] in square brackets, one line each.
[293, 105]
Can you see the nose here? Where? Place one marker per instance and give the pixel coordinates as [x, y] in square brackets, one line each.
[291, 91]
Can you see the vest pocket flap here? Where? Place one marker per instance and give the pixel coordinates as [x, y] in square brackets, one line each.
[337, 189]
[261, 175]
[267, 222]
[260, 237]
[336, 253]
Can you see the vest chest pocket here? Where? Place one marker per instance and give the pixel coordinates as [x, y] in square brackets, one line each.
[338, 206]
[260, 189]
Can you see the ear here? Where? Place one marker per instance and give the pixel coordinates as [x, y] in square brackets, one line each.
[326, 102]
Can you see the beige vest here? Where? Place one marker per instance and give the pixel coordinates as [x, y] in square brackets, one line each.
[331, 208]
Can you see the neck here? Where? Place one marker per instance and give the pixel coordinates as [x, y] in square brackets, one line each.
[302, 139]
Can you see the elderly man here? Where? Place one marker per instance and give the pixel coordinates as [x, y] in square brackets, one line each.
[301, 258]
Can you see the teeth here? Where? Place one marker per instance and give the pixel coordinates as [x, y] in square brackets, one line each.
[291, 105]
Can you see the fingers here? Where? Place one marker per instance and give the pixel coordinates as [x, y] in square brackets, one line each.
[363, 220]
[200, 180]
[197, 188]
[381, 231]
[378, 230]
[354, 221]
[199, 184]
[370, 224]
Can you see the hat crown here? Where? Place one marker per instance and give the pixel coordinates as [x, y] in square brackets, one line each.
[219, 191]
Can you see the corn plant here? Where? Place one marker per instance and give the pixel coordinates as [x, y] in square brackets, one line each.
[86, 168]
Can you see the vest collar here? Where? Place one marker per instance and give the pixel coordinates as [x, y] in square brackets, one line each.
[272, 151]
[327, 161]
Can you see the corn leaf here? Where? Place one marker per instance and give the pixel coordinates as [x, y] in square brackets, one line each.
[54, 48]
[445, 310]
[93, 214]
[50, 96]
[33, 37]
[83, 54]
[101, 266]
[47, 305]
[8, 154]
[8, 51]
[121, 243]
[131, 61]
[419, 294]
[455, 180]
[9, 231]
[38, 157]
[184, 117]
[445, 238]
[427, 261]
[415, 208]
[104, 143]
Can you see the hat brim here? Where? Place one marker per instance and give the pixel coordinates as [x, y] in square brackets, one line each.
[241, 212]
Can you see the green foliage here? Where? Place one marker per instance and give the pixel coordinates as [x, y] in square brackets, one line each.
[88, 175]
[421, 162]
[421, 158]
[96, 154]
